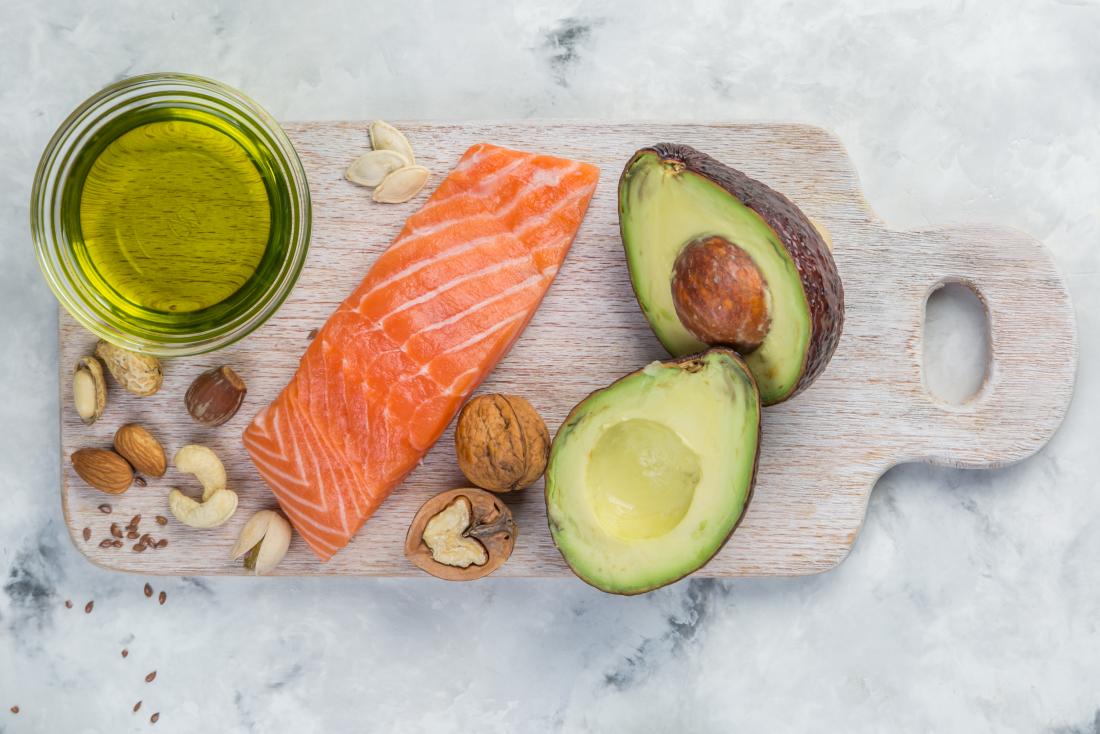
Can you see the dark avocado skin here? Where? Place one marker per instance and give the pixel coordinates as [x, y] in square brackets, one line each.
[686, 363]
[816, 268]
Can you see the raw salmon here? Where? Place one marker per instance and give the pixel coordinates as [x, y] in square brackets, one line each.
[396, 360]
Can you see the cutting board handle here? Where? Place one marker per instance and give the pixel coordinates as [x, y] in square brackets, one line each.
[1032, 338]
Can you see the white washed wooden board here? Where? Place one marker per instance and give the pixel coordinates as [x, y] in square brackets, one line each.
[822, 452]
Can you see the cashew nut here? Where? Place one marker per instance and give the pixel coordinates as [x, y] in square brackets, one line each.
[265, 538]
[218, 503]
[445, 536]
[205, 465]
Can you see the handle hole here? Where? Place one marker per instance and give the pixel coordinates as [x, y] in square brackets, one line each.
[955, 351]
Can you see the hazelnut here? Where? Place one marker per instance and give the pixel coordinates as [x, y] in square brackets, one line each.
[502, 443]
[215, 396]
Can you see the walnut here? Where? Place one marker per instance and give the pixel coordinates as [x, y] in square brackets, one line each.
[461, 535]
[502, 443]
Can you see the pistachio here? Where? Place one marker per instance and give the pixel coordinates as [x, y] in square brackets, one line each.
[139, 373]
[217, 504]
[215, 396]
[401, 185]
[370, 168]
[105, 470]
[141, 449]
[89, 389]
[265, 539]
[384, 136]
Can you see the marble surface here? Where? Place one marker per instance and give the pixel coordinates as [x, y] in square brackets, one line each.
[971, 601]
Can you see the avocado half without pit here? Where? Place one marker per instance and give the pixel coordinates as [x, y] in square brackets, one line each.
[718, 258]
[648, 477]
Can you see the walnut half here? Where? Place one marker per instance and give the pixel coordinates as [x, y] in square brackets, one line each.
[461, 535]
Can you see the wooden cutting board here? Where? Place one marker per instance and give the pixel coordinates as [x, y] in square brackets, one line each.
[822, 451]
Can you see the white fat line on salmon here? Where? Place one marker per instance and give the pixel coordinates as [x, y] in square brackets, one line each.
[479, 184]
[480, 336]
[511, 290]
[449, 390]
[316, 463]
[321, 434]
[297, 460]
[478, 189]
[536, 182]
[272, 471]
[402, 348]
[484, 334]
[312, 538]
[425, 370]
[443, 288]
[527, 226]
[268, 461]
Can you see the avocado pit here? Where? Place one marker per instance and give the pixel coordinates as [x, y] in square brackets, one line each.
[720, 295]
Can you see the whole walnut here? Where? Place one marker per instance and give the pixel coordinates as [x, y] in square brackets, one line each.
[502, 443]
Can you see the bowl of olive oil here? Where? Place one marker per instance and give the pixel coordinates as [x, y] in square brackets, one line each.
[170, 214]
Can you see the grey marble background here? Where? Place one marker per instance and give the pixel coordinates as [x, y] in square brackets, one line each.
[971, 602]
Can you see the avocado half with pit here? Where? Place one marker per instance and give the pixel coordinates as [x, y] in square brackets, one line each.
[648, 477]
[717, 257]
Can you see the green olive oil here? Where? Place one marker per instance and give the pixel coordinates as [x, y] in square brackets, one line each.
[175, 218]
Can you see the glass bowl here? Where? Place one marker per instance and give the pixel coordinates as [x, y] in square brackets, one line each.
[55, 226]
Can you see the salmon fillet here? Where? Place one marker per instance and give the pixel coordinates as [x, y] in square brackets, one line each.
[394, 363]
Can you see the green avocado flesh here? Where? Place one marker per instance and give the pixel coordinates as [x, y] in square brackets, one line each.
[662, 208]
[648, 477]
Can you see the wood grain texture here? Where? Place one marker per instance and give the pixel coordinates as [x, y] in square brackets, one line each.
[822, 451]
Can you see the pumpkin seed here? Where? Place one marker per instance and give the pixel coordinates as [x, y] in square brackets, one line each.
[384, 136]
[370, 168]
[401, 185]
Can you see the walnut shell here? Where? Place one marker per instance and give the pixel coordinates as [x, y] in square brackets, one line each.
[490, 525]
[502, 443]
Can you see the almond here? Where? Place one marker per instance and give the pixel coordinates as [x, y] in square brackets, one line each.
[215, 396]
[105, 470]
[141, 449]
